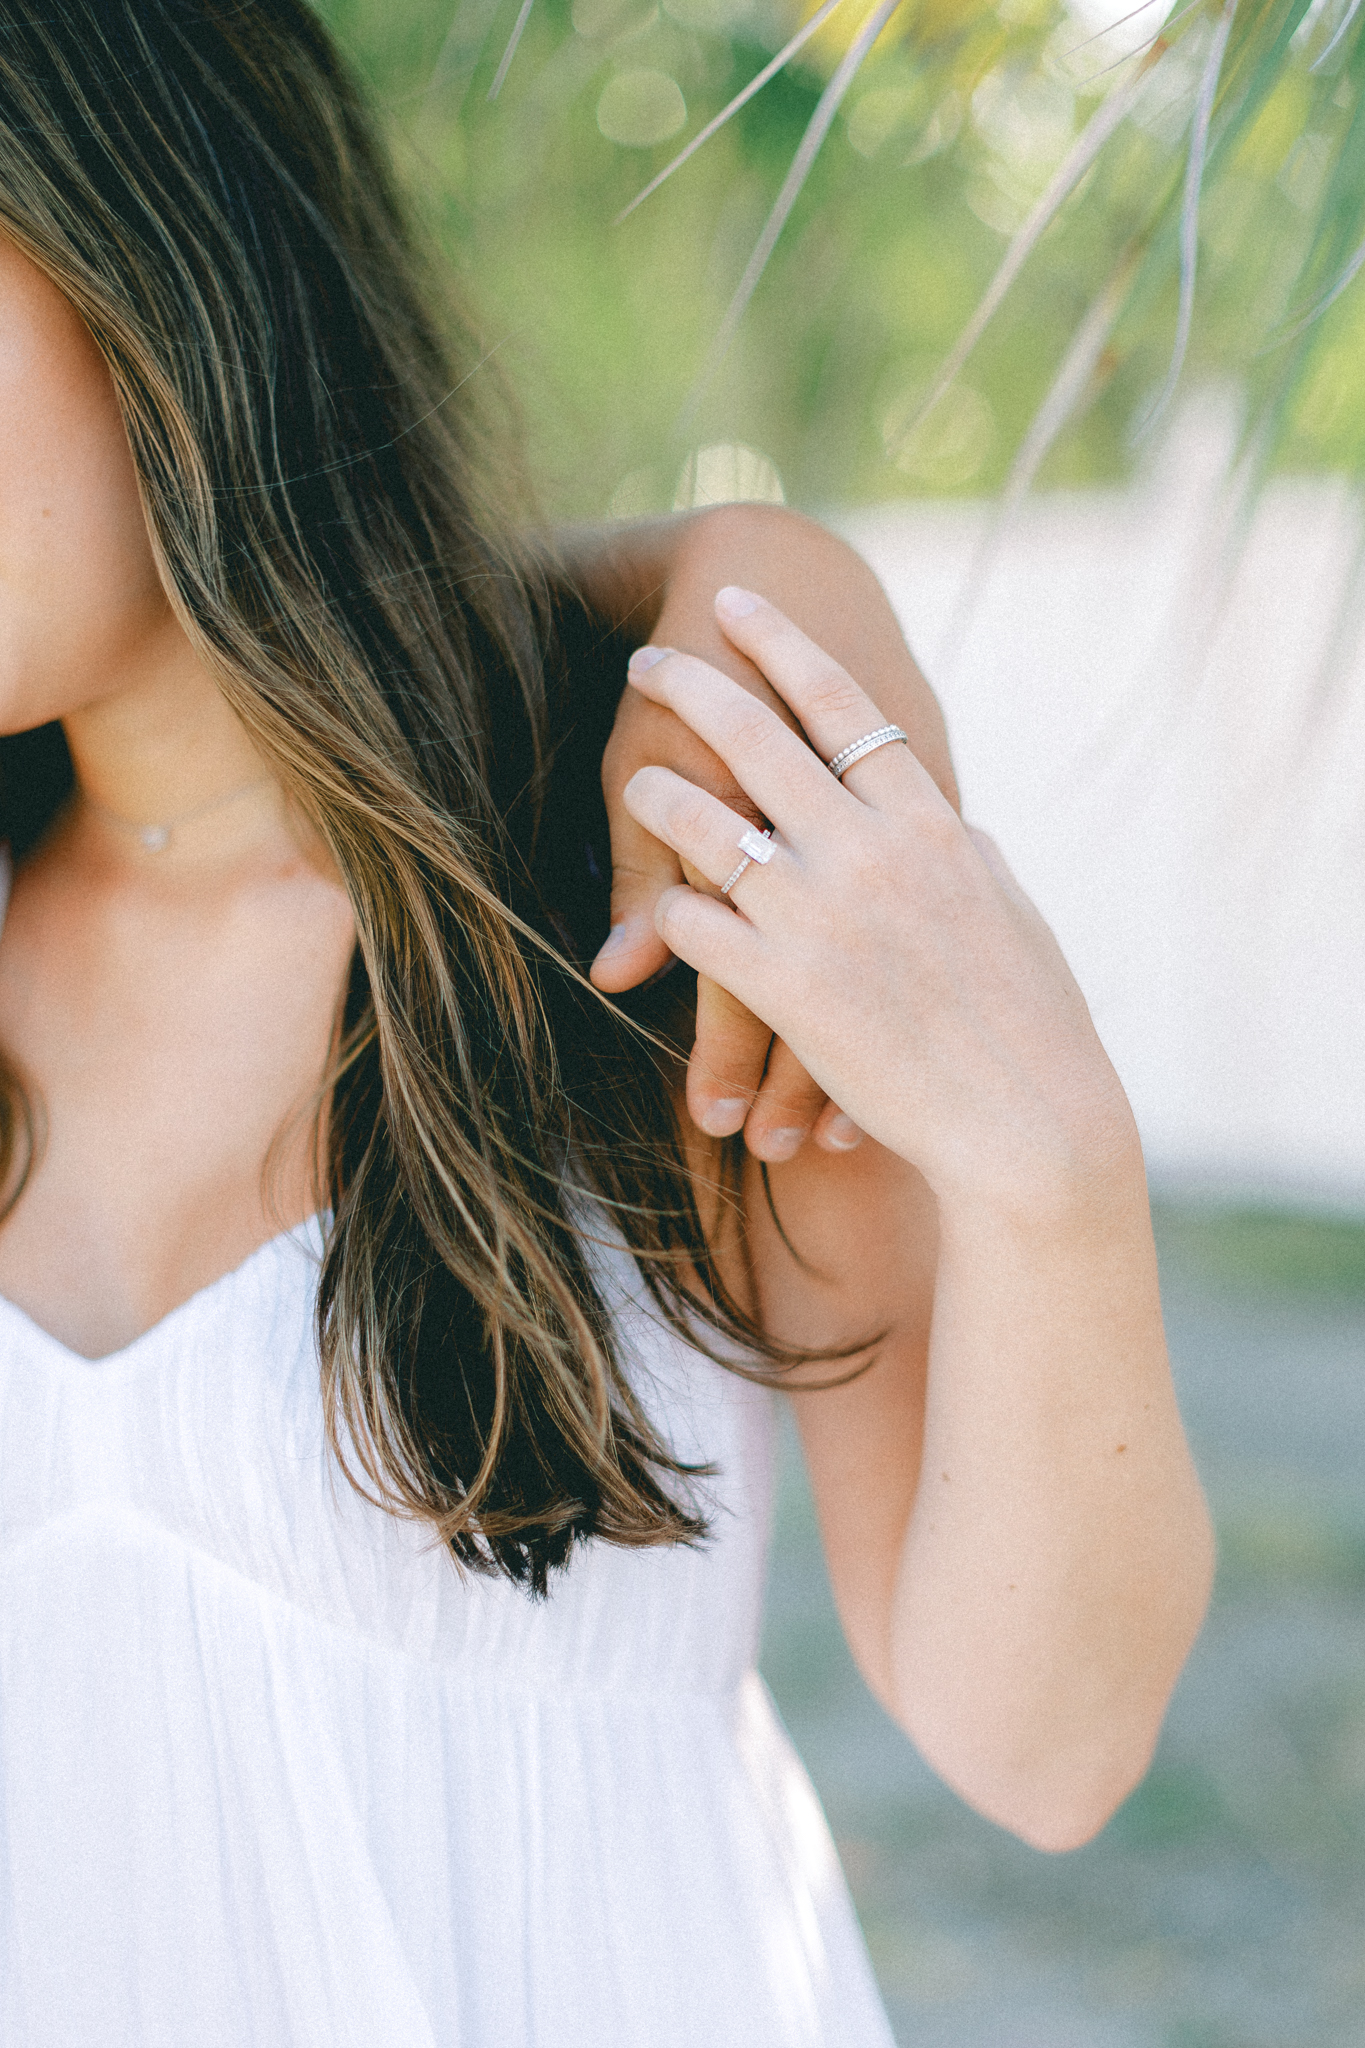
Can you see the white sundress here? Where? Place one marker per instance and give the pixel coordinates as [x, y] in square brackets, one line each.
[274, 1775]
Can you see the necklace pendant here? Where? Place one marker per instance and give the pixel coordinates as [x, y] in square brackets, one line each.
[154, 837]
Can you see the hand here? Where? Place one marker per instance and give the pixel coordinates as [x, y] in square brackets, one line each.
[886, 944]
[739, 1076]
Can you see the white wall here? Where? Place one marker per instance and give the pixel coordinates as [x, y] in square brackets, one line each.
[1148, 713]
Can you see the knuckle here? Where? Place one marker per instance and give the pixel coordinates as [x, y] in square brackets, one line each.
[739, 1041]
[674, 920]
[628, 885]
[754, 725]
[866, 865]
[938, 830]
[688, 814]
[833, 693]
[795, 1101]
[730, 1067]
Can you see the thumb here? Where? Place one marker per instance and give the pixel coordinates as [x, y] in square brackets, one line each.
[642, 867]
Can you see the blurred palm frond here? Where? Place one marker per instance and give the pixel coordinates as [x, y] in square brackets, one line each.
[937, 246]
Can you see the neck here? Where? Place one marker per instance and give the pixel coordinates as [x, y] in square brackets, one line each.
[161, 745]
[166, 762]
[155, 838]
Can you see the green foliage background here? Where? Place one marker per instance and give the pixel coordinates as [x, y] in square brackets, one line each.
[949, 134]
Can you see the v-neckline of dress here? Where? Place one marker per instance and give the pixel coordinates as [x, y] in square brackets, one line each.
[305, 1235]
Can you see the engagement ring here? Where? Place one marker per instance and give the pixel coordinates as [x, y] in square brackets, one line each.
[755, 846]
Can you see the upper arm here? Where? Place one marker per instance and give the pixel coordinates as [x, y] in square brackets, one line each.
[858, 1263]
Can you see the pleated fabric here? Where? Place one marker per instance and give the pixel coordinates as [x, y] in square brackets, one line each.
[274, 1775]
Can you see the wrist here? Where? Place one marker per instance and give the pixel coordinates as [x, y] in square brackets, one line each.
[1082, 1176]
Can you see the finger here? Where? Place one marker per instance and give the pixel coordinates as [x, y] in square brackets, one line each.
[649, 733]
[835, 1131]
[788, 782]
[833, 709]
[642, 867]
[728, 949]
[704, 831]
[725, 1071]
[771, 763]
[786, 1110]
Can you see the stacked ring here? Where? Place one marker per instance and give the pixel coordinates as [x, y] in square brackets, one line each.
[755, 846]
[884, 736]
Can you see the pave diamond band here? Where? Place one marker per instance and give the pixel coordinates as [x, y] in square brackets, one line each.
[868, 744]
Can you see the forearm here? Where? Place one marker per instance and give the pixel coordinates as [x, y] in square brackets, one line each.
[1017, 1590]
[1019, 1545]
[1058, 1559]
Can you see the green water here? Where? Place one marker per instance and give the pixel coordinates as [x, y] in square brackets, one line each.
[1224, 1906]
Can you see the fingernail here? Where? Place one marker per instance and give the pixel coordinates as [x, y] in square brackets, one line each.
[736, 603]
[723, 1119]
[780, 1145]
[842, 1133]
[645, 657]
[615, 939]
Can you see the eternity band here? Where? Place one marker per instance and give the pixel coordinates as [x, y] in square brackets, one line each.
[868, 744]
[755, 846]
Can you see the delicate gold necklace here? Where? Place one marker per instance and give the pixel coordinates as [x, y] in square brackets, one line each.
[156, 838]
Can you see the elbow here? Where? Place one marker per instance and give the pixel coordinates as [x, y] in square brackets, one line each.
[1064, 1813]
[1053, 1804]
[1049, 1748]
[1067, 1819]
[1053, 1765]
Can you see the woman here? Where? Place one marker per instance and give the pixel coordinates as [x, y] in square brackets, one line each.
[324, 1159]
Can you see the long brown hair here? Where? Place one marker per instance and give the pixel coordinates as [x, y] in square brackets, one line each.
[200, 179]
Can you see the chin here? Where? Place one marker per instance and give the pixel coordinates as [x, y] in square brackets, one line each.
[30, 694]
